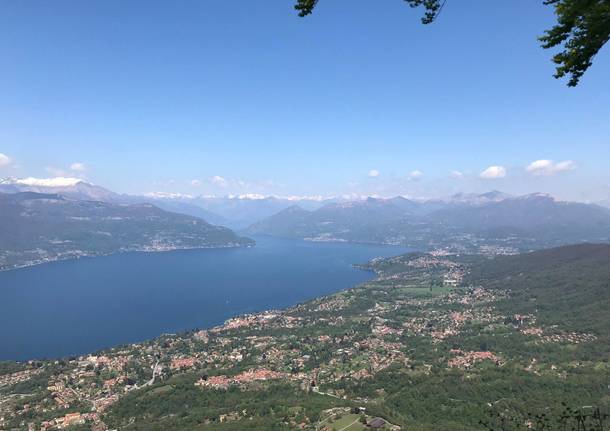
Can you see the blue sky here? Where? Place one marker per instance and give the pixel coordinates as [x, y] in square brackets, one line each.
[218, 97]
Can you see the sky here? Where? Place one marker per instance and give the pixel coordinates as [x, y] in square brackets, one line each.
[232, 97]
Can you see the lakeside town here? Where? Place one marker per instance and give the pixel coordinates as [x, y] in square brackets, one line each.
[418, 317]
[39, 256]
[305, 215]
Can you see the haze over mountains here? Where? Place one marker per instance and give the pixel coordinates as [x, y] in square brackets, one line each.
[73, 188]
[42, 227]
[492, 222]
[236, 212]
[505, 223]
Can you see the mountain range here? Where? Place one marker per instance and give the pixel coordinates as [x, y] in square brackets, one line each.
[236, 212]
[493, 219]
[42, 227]
[76, 189]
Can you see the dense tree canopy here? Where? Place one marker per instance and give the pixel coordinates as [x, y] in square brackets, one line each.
[582, 29]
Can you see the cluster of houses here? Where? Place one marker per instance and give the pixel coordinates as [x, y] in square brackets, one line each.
[440, 325]
[18, 376]
[307, 344]
[466, 360]
[72, 419]
[249, 376]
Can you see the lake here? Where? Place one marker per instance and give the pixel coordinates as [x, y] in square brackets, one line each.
[79, 306]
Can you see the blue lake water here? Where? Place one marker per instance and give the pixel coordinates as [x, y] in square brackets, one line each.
[73, 307]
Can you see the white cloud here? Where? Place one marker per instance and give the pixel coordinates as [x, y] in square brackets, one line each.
[373, 173]
[75, 169]
[415, 175]
[493, 172]
[548, 167]
[4, 160]
[78, 167]
[195, 183]
[49, 182]
[540, 167]
[219, 181]
[456, 175]
[566, 165]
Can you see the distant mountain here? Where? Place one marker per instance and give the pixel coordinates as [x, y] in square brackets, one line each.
[72, 188]
[347, 221]
[604, 203]
[478, 199]
[420, 207]
[76, 189]
[535, 214]
[242, 211]
[236, 212]
[360, 212]
[36, 228]
[290, 222]
[488, 221]
[492, 219]
[180, 205]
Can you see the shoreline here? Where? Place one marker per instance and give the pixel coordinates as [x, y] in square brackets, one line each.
[225, 325]
[125, 251]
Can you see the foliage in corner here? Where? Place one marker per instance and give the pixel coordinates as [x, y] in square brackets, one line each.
[433, 7]
[582, 29]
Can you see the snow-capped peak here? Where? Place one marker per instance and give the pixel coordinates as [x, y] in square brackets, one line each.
[168, 195]
[42, 182]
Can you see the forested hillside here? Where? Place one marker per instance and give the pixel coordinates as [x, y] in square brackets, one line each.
[36, 228]
[433, 343]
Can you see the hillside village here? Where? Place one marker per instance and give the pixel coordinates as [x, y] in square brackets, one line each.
[339, 349]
